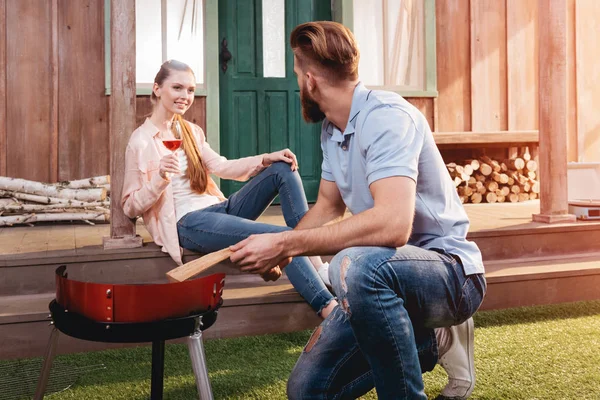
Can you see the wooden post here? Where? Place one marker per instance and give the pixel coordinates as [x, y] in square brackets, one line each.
[553, 112]
[122, 117]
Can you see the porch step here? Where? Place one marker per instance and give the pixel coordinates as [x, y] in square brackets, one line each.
[542, 280]
[537, 240]
[253, 307]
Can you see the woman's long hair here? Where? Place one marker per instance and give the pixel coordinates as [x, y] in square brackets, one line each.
[196, 171]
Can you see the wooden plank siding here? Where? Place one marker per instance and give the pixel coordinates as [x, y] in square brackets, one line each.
[54, 115]
[453, 66]
[3, 88]
[29, 88]
[488, 65]
[83, 139]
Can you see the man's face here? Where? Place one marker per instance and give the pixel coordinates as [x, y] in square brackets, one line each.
[311, 112]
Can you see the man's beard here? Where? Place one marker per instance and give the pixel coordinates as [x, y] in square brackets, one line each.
[310, 108]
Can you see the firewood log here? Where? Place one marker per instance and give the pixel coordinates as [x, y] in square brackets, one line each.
[513, 198]
[493, 163]
[473, 163]
[485, 169]
[86, 183]
[531, 166]
[523, 196]
[42, 189]
[476, 198]
[491, 197]
[30, 218]
[491, 186]
[465, 191]
[515, 163]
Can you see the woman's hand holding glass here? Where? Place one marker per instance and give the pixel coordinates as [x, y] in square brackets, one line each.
[284, 155]
[169, 164]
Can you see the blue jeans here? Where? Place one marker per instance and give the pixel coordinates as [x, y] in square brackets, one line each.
[221, 225]
[382, 332]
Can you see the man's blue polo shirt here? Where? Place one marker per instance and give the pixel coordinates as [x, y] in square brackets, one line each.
[387, 136]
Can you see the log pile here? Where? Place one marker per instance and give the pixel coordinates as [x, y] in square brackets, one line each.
[484, 180]
[25, 202]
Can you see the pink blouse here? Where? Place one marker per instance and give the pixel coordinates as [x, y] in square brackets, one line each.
[147, 194]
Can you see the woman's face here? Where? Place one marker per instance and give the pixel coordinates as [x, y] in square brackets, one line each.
[176, 94]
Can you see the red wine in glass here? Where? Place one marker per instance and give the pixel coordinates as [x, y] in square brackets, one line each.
[172, 144]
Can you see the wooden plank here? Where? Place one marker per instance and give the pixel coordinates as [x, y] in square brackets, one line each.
[488, 65]
[122, 109]
[553, 113]
[83, 114]
[29, 89]
[425, 105]
[588, 80]
[453, 66]
[522, 64]
[572, 154]
[486, 137]
[3, 88]
[53, 150]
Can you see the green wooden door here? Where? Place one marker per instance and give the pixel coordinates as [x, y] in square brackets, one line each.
[260, 109]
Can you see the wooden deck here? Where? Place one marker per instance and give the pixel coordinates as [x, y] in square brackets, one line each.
[78, 239]
[527, 263]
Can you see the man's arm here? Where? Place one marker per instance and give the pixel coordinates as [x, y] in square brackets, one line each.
[387, 224]
[328, 207]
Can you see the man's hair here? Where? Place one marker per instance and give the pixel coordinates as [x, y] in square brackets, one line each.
[328, 46]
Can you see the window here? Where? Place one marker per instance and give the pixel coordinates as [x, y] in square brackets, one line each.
[395, 39]
[165, 29]
[168, 29]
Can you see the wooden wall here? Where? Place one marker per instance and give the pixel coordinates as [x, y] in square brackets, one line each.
[487, 70]
[54, 113]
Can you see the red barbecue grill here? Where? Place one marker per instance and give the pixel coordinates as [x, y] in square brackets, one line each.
[136, 313]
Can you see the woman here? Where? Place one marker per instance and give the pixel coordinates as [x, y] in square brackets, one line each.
[182, 206]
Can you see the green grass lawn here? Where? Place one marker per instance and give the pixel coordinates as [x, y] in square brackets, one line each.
[550, 352]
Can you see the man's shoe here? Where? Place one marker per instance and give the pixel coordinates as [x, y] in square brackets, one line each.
[459, 362]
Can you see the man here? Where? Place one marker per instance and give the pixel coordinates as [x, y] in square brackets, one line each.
[402, 266]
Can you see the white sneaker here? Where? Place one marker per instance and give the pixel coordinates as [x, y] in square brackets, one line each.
[323, 272]
[459, 362]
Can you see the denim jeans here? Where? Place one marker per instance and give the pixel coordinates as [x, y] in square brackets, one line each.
[221, 225]
[382, 332]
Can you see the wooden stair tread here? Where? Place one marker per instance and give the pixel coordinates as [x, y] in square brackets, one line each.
[542, 268]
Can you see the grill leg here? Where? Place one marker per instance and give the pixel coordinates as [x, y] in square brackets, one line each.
[158, 370]
[46, 365]
[196, 349]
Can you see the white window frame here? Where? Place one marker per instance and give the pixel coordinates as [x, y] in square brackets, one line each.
[343, 11]
[145, 88]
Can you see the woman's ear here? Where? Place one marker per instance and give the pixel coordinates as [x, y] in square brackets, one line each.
[156, 90]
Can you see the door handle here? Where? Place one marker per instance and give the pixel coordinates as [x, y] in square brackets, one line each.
[225, 55]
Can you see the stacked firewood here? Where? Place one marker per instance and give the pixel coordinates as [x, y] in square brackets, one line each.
[25, 202]
[496, 181]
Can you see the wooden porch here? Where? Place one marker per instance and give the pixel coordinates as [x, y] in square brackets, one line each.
[527, 263]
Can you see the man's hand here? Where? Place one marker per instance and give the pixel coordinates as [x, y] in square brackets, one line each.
[258, 254]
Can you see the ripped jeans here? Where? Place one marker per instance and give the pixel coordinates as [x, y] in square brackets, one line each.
[382, 333]
[224, 224]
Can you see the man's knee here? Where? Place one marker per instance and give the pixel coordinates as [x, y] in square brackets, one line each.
[299, 385]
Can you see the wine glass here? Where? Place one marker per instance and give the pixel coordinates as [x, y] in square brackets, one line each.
[174, 143]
